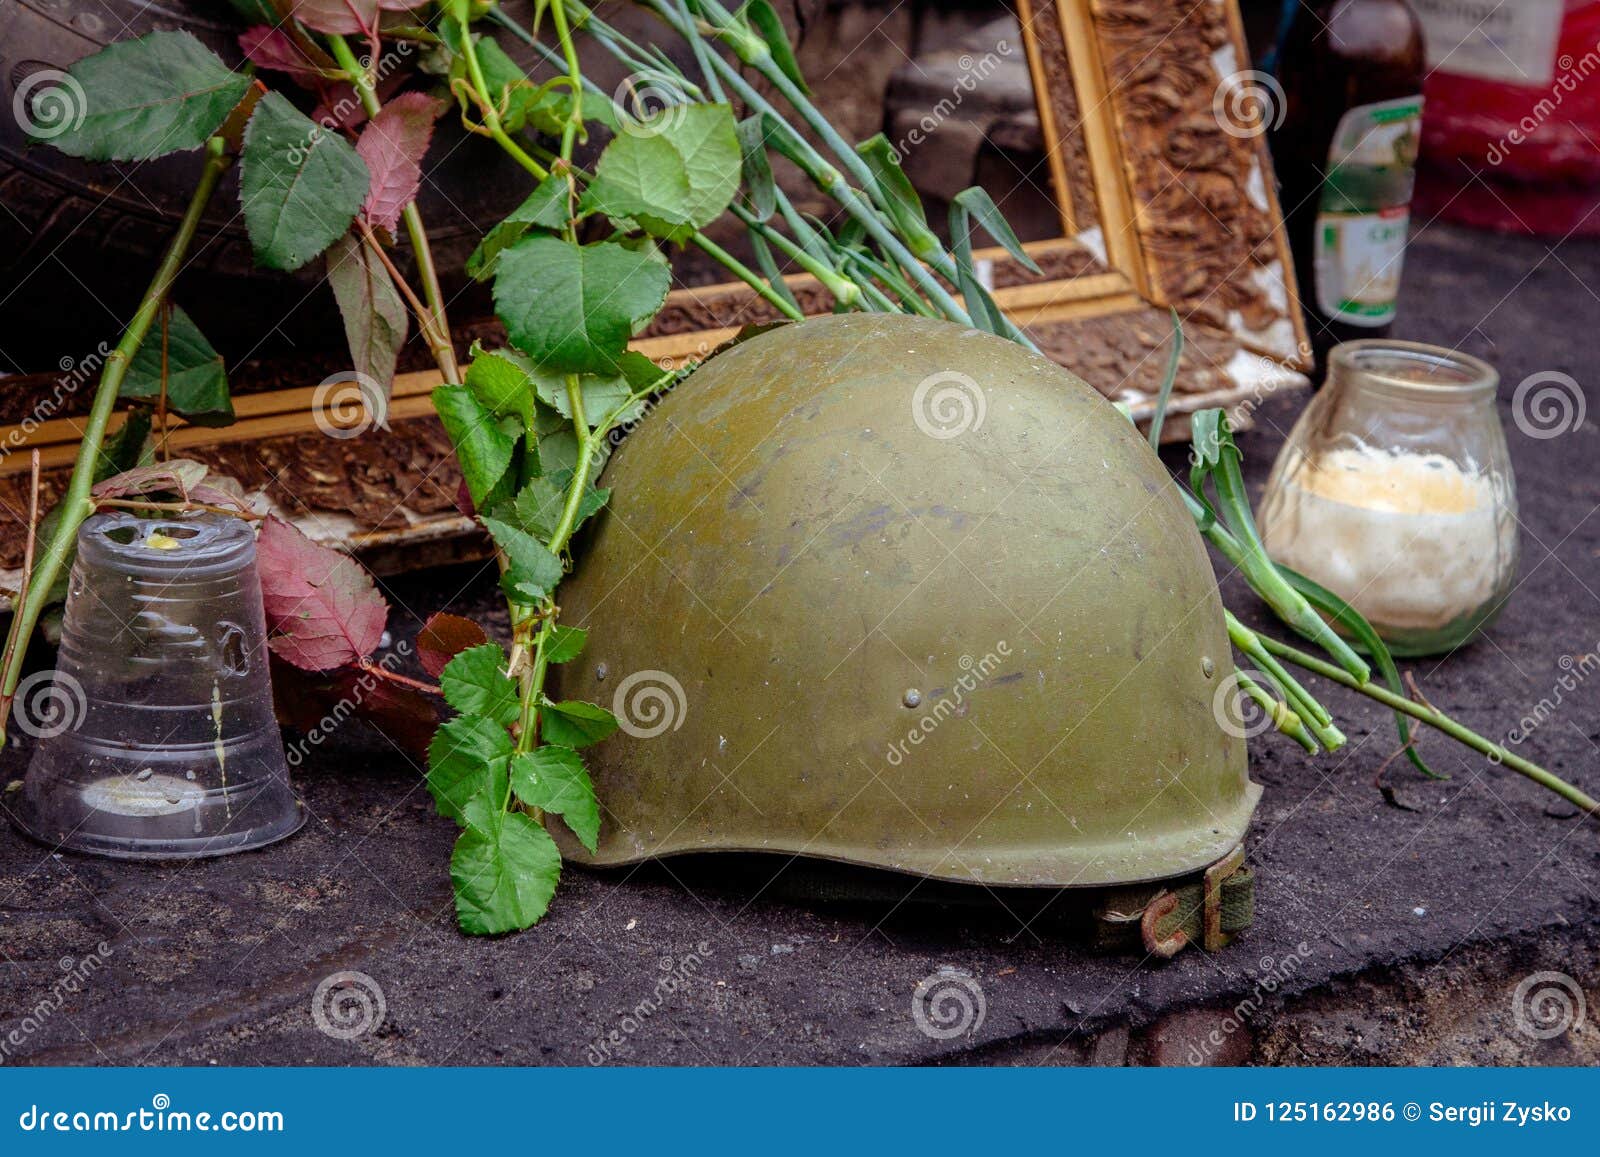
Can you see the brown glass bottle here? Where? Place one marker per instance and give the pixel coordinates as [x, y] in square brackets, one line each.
[1346, 152]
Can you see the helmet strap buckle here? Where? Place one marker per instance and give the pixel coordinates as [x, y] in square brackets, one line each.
[1213, 909]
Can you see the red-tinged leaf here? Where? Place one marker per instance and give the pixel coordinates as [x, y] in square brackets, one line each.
[317, 704]
[180, 475]
[220, 490]
[464, 500]
[275, 49]
[341, 108]
[393, 145]
[323, 607]
[443, 637]
[347, 15]
[374, 314]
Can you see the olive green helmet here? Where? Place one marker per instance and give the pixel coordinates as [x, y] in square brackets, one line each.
[898, 593]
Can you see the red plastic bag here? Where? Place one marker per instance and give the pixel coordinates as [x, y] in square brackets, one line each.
[1513, 99]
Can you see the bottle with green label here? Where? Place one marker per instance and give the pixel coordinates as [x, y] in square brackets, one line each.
[1346, 152]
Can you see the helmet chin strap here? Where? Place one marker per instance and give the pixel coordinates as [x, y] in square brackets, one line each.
[1208, 909]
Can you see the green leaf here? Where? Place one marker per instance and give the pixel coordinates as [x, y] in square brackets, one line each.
[565, 644]
[573, 308]
[674, 181]
[545, 208]
[475, 683]
[538, 505]
[197, 384]
[899, 196]
[981, 305]
[122, 451]
[554, 778]
[770, 270]
[467, 760]
[137, 99]
[976, 204]
[301, 184]
[374, 315]
[502, 381]
[604, 395]
[482, 447]
[1164, 395]
[505, 871]
[558, 441]
[756, 167]
[769, 25]
[523, 103]
[532, 572]
[575, 724]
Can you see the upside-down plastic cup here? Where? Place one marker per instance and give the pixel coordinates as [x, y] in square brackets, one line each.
[156, 733]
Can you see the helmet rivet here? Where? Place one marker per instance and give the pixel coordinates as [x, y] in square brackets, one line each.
[913, 698]
[600, 672]
[1208, 667]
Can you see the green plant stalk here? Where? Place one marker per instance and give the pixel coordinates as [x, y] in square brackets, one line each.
[768, 264]
[1264, 576]
[1313, 714]
[1436, 719]
[830, 181]
[574, 125]
[531, 681]
[438, 337]
[435, 329]
[749, 276]
[930, 250]
[1286, 602]
[76, 504]
[491, 114]
[1283, 716]
[698, 239]
[845, 291]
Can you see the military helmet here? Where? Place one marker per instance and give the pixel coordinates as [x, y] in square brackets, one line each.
[898, 593]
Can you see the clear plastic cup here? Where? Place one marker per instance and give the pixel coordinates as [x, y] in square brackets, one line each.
[156, 733]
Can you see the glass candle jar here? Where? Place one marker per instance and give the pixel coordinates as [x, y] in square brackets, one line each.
[1395, 492]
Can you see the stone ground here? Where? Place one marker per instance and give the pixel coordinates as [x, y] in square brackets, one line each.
[1384, 935]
